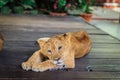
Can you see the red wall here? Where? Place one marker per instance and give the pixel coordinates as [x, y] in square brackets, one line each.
[118, 1]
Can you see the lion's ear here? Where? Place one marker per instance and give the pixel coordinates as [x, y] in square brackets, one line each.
[42, 41]
[68, 36]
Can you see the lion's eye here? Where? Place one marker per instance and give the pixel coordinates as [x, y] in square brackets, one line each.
[49, 52]
[60, 47]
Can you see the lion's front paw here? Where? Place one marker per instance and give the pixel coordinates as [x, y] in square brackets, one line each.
[38, 68]
[35, 68]
[26, 66]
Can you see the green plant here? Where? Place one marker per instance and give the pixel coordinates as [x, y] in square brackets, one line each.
[17, 6]
[84, 5]
[31, 6]
[59, 6]
[28, 4]
[5, 10]
[3, 2]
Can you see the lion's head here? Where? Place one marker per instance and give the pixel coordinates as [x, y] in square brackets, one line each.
[56, 46]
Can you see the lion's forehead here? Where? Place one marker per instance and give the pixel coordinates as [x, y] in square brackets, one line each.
[54, 42]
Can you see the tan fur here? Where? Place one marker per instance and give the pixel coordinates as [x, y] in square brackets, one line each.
[72, 45]
[1, 42]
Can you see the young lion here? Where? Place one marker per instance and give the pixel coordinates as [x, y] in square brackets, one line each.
[61, 51]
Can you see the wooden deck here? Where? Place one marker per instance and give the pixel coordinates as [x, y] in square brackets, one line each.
[21, 32]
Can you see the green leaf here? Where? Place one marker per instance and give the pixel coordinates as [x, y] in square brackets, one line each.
[62, 2]
[27, 6]
[61, 5]
[34, 12]
[5, 10]
[18, 10]
[80, 1]
[3, 2]
[92, 1]
[85, 8]
[29, 3]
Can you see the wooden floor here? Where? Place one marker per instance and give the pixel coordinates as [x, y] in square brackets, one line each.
[21, 32]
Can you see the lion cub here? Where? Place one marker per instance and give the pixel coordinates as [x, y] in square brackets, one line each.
[1, 42]
[60, 51]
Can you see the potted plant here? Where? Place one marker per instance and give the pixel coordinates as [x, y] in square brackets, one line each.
[58, 8]
[85, 8]
[72, 8]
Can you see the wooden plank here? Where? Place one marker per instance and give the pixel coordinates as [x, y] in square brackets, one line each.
[93, 54]
[97, 68]
[21, 44]
[107, 55]
[105, 45]
[98, 50]
[48, 30]
[33, 44]
[113, 50]
[52, 22]
[39, 17]
[13, 58]
[98, 65]
[34, 36]
[15, 44]
[60, 75]
[103, 39]
[95, 61]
